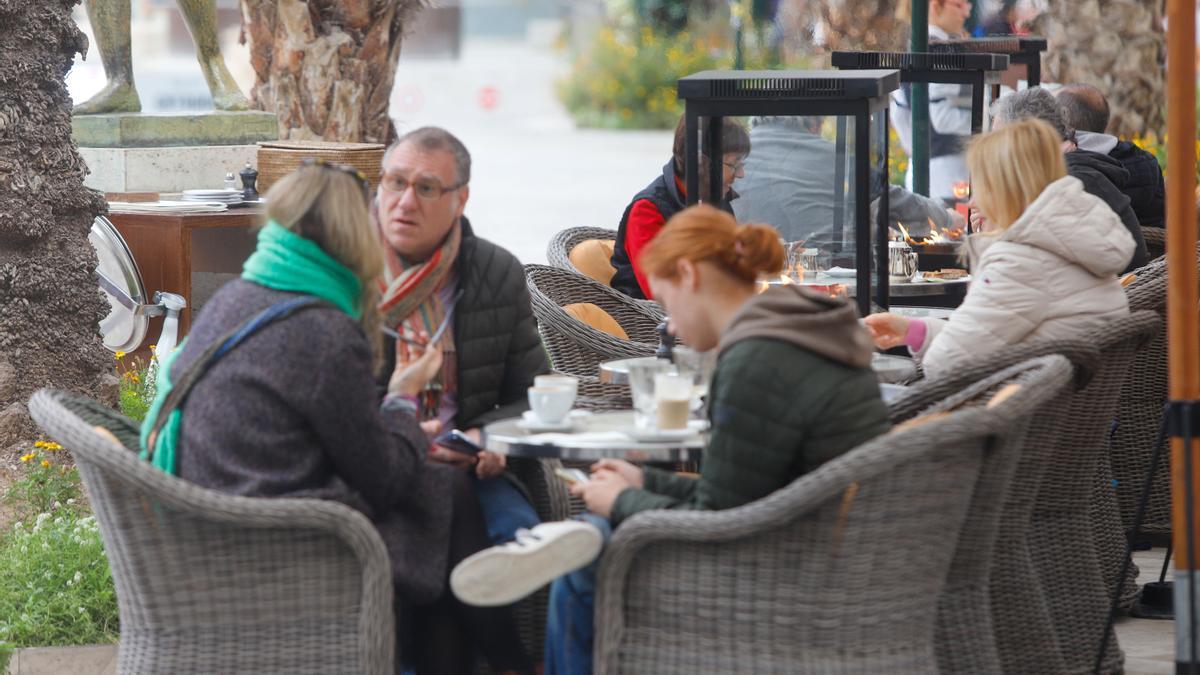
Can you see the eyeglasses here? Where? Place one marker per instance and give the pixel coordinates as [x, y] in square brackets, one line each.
[735, 167]
[425, 188]
[349, 170]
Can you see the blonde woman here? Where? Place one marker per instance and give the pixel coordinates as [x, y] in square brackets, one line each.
[273, 394]
[1045, 265]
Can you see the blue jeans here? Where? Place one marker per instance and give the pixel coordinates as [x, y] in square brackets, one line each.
[505, 508]
[570, 621]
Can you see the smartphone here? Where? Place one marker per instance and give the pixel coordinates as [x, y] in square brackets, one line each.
[571, 476]
[459, 442]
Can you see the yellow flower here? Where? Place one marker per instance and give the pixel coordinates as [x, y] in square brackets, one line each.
[51, 445]
[119, 355]
[153, 347]
[26, 458]
[45, 464]
[40, 444]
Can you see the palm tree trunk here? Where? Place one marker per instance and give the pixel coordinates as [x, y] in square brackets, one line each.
[1118, 46]
[863, 25]
[50, 304]
[326, 67]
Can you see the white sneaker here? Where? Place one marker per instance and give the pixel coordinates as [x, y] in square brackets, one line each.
[501, 575]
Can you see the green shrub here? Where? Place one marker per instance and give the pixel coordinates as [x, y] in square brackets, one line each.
[626, 78]
[57, 586]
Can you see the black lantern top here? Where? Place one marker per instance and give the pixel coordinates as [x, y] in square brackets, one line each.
[1023, 49]
[922, 66]
[996, 44]
[787, 85]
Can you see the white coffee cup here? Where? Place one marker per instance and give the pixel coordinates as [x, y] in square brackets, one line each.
[557, 381]
[551, 404]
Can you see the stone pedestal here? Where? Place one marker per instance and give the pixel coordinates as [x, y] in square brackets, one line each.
[133, 152]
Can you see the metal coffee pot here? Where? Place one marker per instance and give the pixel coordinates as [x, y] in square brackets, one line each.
[902, 262]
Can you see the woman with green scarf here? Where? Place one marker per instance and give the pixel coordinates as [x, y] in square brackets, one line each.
[273, 395]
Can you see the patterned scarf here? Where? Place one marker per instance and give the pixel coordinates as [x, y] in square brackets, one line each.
[411, 303]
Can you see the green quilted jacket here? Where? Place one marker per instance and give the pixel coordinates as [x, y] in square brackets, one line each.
[793, 389]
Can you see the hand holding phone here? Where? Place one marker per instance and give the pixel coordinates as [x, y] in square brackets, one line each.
[459, 442]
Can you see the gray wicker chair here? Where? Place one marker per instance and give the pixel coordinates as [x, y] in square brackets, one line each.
[1156, 243]
[1050, 589]
[208, 582]
[965, 641]
[578, 349]
[558, 254]
[558, 251]
[1139, 417]
[837, 573]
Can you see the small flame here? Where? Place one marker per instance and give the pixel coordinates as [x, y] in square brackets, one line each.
[962, 189]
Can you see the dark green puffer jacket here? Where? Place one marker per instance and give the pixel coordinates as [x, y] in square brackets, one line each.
[793, 389]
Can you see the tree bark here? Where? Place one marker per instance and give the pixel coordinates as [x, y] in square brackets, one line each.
[863, 25]
[50, 304]
[326, 67]
[1118, 46]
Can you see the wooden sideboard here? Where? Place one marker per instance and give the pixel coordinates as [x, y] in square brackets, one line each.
[187, 254]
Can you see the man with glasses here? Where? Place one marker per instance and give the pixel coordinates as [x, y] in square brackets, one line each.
[440, 277]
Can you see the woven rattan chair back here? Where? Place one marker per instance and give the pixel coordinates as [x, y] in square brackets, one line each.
[578, 349]
[208, 582]
[1156, 241]
[558, 251]
[965, 630]
[1023, 630]
[1139, 417]
[840, 572]
[1075, 533]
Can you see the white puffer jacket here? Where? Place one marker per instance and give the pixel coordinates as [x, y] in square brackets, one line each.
[1049, 275]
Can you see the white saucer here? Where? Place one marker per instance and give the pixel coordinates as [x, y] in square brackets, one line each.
[529, 422]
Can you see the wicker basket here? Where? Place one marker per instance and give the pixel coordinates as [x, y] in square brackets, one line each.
[279, 158]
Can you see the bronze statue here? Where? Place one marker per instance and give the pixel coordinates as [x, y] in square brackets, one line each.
[110, 23]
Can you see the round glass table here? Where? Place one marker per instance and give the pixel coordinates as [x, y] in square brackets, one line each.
[593, 436]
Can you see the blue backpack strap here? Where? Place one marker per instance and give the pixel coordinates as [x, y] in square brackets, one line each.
[221, 346]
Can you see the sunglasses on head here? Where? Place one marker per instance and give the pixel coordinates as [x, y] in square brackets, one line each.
[343, 168]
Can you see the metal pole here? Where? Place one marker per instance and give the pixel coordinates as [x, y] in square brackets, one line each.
[920, 101]
[1183, 331]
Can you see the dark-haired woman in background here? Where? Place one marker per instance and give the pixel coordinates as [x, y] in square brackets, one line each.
[666, 195]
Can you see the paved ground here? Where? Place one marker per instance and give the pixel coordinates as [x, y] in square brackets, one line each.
[1149, 645]
[533, 172]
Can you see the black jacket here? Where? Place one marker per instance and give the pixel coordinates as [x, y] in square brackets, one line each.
[495, 333]
[1147, 194]
[669, 200]
[1105, 178]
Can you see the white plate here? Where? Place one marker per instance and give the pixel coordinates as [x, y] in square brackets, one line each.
[934, 280]
[694, 429]
[529, 422]
[841, 272]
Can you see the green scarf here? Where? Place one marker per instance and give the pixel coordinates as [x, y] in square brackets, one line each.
[284, 261]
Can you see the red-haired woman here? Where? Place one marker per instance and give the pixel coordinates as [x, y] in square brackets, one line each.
[793, 388]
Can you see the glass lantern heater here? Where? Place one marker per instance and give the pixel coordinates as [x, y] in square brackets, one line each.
[816, 169]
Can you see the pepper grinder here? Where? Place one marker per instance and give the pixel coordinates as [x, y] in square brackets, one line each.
[666, 343]
[249, 179]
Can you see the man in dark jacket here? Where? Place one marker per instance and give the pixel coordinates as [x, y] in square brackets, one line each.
[1086, 111]
[438, 272]
[1101, 175]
